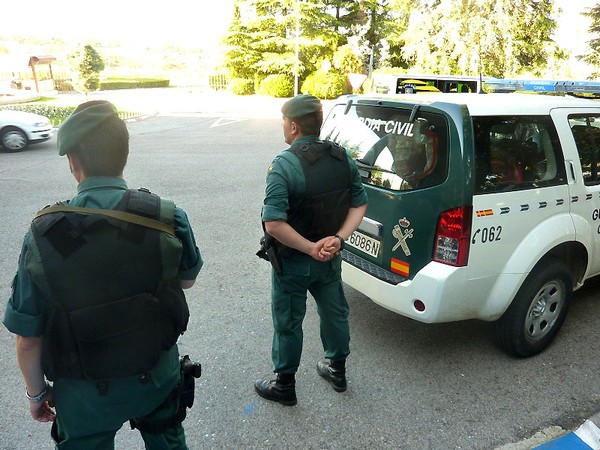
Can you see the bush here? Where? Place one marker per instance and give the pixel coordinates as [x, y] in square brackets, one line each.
[64, 85]
[277, 86]
[346, 61]
[134, 83]
[241, 86]
[57, 114]
[326, 85]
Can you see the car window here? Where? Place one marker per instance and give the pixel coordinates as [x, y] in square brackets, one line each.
[392, 151]
[515, 153]
[586, 132]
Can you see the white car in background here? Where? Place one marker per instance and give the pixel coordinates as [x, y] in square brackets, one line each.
[18, 129]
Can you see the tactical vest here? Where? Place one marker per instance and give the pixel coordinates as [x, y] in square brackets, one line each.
[322, 208]
[116, 303]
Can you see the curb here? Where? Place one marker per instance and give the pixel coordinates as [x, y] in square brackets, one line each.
[585, 437]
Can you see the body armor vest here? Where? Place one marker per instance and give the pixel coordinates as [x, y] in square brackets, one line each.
[116, 303]
[322, 208]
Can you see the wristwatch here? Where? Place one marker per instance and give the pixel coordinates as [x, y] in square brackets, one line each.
[40, 397]
[342, 243]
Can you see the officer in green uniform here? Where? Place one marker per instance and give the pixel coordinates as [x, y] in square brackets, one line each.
[314, 201]
[97, 301]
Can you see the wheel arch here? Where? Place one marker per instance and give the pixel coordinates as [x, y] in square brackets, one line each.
[6, 128]
[9, 128]
[560, 241]
[575, 255]
[536, 314]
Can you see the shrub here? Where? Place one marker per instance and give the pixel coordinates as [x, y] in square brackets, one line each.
[277, 86]
[64, 85]
[241, 86]
[133, 83]
[346, 61]
[326, 85]
[57, 114]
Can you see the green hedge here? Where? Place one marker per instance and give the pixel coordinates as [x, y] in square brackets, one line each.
[57, 114]
[136, 83]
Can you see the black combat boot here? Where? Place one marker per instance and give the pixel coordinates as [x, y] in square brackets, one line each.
[282, 389]
[334, 372]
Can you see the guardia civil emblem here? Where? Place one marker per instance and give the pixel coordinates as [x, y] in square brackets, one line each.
[402, 233]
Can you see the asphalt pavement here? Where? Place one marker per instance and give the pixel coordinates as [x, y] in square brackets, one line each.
[185, 101]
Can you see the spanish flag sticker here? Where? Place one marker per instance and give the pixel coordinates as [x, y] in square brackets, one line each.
[484, 212]
[401, 267]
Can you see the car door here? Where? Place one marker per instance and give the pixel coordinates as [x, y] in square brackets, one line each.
[580, 138]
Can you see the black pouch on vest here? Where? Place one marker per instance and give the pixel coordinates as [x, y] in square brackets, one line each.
[118, 339]
[60, 356]
[174, 312]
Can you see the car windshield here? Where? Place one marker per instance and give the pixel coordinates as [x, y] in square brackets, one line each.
[392, 151]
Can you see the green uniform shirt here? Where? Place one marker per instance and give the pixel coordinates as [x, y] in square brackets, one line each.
[285, 176]
[25, 313]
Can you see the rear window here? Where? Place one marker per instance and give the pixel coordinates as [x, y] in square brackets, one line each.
[515, 153]
[391, 151]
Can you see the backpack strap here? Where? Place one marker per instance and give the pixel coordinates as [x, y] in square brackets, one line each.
[119, 215]
[311, 152]
[142, 202]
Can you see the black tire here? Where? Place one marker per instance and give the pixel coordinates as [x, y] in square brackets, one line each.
[538, 310]
[13, 139]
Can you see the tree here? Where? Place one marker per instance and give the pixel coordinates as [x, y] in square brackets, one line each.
[501, 38]
[346, 61]
[498, 38]
[262, 37]
[86, 65]
[592, 57]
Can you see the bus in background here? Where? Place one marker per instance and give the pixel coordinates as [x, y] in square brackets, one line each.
[385, 83]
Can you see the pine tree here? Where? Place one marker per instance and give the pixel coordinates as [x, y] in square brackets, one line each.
[86, 65]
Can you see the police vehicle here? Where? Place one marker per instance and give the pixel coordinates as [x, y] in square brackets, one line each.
[482, 206]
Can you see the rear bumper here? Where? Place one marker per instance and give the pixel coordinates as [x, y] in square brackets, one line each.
[442, 289]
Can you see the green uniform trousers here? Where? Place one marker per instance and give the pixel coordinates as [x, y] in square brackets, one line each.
[87, 420]
[301, 273]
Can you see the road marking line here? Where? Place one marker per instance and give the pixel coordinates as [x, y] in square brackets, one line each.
[225, 121]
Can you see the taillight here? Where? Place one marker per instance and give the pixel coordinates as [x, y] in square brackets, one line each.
[452, 237]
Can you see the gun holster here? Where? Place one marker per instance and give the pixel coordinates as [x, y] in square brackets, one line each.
[190, 370]
[268, 251]
[182, 396]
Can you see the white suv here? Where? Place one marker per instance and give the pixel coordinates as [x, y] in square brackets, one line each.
[481, 206]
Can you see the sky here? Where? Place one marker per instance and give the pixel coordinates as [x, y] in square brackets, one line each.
[175, 21]
[572, 32]
[573, 27]
[178, 21]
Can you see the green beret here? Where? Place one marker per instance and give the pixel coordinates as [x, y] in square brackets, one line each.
[81, 122]
[301, 105]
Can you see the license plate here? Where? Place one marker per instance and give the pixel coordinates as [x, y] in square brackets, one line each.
[364, 243]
